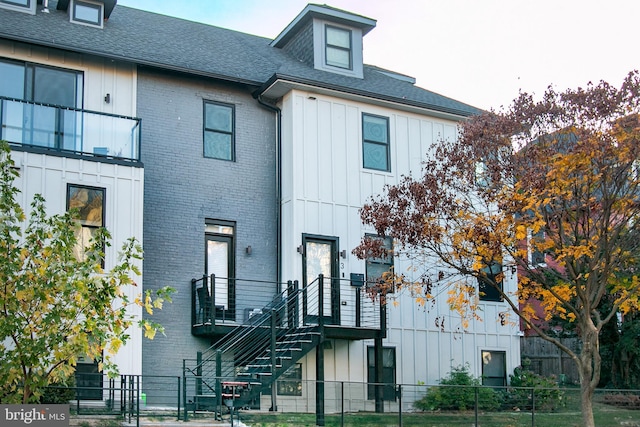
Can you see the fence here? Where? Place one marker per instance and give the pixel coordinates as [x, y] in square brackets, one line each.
[124, 397]
[352, 404]
[547, 359]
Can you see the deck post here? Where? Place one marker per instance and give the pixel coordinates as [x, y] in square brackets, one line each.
[320, 356]
[274, 361]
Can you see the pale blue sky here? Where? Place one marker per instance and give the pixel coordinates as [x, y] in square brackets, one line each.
[477, 51]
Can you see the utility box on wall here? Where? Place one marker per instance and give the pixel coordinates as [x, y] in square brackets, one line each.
[357, 280]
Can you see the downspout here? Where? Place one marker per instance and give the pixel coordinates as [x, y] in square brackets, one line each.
[278, 112]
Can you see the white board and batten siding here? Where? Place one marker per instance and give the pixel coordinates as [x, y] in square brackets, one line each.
[49, 175]
[324, 185]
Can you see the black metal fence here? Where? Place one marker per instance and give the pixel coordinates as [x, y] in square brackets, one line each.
[124, 396]
[352, 403]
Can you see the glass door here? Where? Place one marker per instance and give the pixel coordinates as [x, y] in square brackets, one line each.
[321, 257]
[49, 126]
[219, 261]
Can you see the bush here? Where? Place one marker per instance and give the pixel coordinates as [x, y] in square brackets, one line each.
[548, 395]
[60, 393]
[457, 391]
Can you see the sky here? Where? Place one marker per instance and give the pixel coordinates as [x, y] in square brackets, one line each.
[481, 52]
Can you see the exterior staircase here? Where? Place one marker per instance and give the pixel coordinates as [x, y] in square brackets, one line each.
[241, 365]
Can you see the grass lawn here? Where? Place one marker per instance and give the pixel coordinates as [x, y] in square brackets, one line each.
[605, 416]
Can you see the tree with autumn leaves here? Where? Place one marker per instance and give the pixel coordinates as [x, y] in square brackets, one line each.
[559, 176]
[54, 307]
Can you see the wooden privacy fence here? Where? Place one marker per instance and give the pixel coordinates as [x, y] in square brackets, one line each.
[547, 359]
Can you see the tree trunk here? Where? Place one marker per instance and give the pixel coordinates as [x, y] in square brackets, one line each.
[586, 400]
[589, 369]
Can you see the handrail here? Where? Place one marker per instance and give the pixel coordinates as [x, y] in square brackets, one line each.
[269, 342]
[250, 340]
[69, 129]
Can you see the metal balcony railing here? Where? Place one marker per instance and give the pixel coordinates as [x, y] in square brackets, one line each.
[66, 129]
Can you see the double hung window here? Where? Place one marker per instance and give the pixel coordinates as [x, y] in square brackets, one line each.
[219, 138]
[338, 47]
[375, 142]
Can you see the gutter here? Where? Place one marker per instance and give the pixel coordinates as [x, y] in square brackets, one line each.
[278, 112]
[367, 94]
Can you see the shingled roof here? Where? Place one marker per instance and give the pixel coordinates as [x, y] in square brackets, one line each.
[166, 42]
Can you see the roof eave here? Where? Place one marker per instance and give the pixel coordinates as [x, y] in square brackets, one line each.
[278, 85]
[138, 61]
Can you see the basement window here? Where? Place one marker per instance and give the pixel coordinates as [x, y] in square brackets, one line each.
[87, 13]
[28, 6]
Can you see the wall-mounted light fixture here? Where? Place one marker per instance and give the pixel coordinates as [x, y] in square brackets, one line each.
[248, 250]
[301, 249]
[107, 98]
[343, 253]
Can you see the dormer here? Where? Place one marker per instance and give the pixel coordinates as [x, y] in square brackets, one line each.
[327, 39]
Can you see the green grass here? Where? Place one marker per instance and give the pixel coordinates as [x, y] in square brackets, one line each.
[604, 417]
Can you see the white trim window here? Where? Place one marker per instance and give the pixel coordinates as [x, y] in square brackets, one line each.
[338, 47]
[27, 6]
[87, 13]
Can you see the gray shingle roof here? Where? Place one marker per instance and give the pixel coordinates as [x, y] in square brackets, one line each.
[177, 44]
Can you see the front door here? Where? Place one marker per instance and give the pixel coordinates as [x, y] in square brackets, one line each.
[321, 257]
[219, 262]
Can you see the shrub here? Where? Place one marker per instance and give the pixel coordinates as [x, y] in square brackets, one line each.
[548, 395]
[61, 392]
[457, 391]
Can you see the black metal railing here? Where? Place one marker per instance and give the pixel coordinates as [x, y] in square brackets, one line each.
[123, 396]
[231, 301]
[67, 129]
[272, 338]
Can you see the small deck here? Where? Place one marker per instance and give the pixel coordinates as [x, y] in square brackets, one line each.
[349, 312]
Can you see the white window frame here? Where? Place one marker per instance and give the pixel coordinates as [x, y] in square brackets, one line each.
[348, 50]
[320, 49]
[30, 8]
[87, 3]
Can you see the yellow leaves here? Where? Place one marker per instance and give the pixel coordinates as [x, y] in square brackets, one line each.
[462, 299]
[114, 345]
[555, 301]
[148, 305]
[149, 331]
[521, 232]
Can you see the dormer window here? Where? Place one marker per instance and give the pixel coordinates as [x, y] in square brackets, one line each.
[327, 39]
[338, 47]
[28, 6]
[87, 13]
